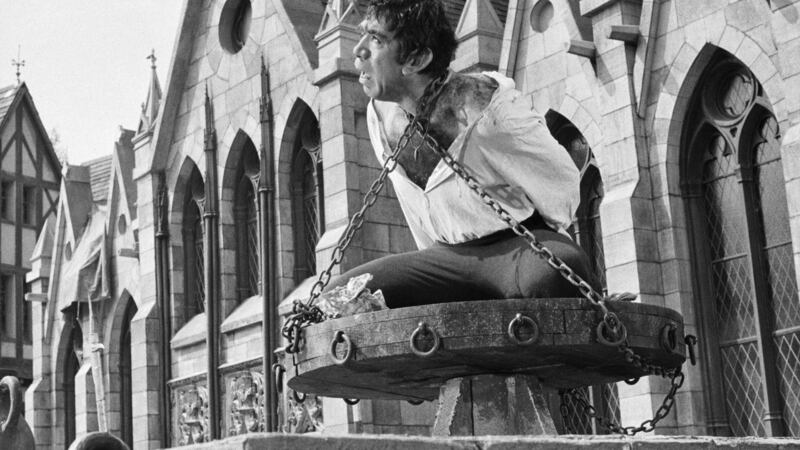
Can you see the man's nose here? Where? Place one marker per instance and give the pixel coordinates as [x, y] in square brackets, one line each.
[361, 51]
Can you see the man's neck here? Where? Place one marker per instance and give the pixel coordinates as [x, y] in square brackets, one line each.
[414, 91]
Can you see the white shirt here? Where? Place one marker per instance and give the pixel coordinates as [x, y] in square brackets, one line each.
[511, 153]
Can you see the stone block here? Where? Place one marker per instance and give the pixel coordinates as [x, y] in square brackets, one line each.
[376, 237]
[623, 278]
[671, 275]
[386, 412]
[688, 10]
[400, 239]
[619, 248]
[793, 197]
[748, 51]
[621, 121]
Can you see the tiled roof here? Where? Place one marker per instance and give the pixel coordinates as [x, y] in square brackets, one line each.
[6, 98]
[99, 177]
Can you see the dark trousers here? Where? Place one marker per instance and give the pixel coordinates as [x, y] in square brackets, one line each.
[498, 266]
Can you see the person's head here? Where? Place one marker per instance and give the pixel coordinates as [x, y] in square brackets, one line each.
[403, 39]
[418, 26]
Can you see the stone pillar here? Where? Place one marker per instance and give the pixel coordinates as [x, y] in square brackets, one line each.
[148, 387]
[85, 401]
[37, 396]
[630, 233]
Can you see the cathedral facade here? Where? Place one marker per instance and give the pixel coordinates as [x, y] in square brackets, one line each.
[155, 271]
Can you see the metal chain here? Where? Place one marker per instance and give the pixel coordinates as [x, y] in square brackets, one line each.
[609, 318]
[647, 426]
[304, 314]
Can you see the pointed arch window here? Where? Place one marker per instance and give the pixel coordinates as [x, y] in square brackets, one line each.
[246, 218]
[587, 232]
[307, 206]
[194, 276]
[743, 265]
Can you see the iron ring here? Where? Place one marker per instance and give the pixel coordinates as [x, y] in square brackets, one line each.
[278, 370]
[669, 340]
[423, 328]
[340, 336]
[516, 323]
[351, 401]
[619, 337]
[297, 397]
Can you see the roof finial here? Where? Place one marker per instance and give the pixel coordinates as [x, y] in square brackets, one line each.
[152, 58]
[18, 62]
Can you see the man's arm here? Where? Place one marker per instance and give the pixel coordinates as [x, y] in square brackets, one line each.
[522, 151]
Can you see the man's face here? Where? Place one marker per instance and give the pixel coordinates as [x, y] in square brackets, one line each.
[376, 59]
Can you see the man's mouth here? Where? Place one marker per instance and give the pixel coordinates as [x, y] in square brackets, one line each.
[363, 77]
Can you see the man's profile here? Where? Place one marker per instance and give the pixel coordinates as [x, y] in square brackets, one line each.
[466, 252]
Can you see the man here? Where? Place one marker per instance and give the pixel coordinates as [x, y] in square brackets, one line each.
[466, 251]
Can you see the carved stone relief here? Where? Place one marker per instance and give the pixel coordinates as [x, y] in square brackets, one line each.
[244, 402]
[303, 417]
[190, 414]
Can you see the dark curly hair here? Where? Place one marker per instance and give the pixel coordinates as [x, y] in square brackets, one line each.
[417, 25]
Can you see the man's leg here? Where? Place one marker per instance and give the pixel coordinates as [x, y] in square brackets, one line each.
[505, 268]
[432, 275]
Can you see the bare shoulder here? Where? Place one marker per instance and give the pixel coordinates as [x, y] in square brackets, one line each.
[462, 100]
[473, 90]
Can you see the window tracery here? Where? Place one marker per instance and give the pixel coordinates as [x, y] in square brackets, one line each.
[307, 207]
[743, 264]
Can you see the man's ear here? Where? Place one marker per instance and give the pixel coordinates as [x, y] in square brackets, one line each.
[417, 61]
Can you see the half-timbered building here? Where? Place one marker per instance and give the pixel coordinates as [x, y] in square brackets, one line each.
[29, 177]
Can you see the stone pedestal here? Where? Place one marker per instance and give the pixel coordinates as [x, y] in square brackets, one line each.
[493, 405]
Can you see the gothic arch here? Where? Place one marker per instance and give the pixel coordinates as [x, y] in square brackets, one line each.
[120, 386]
[239, 220]
[740, 249]
[66, 367]
[299, 151]
[186, 281]
[587, 232]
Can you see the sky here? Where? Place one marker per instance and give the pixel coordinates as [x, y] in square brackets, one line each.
[86, 63]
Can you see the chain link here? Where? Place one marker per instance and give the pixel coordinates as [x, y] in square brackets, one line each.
[610, 319]
[585, 407]
[304, 314]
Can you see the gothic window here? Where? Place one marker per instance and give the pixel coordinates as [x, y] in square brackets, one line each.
[742, 261]
[587, 232]
[307, 200]
[246, 238]
[194, 288]
[126, 385]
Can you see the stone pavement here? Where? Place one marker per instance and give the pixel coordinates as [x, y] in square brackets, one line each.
[396, 442]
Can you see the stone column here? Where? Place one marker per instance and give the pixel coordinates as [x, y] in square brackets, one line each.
[85, 400]
[149, 391]
[630, 233]
[38, 395]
